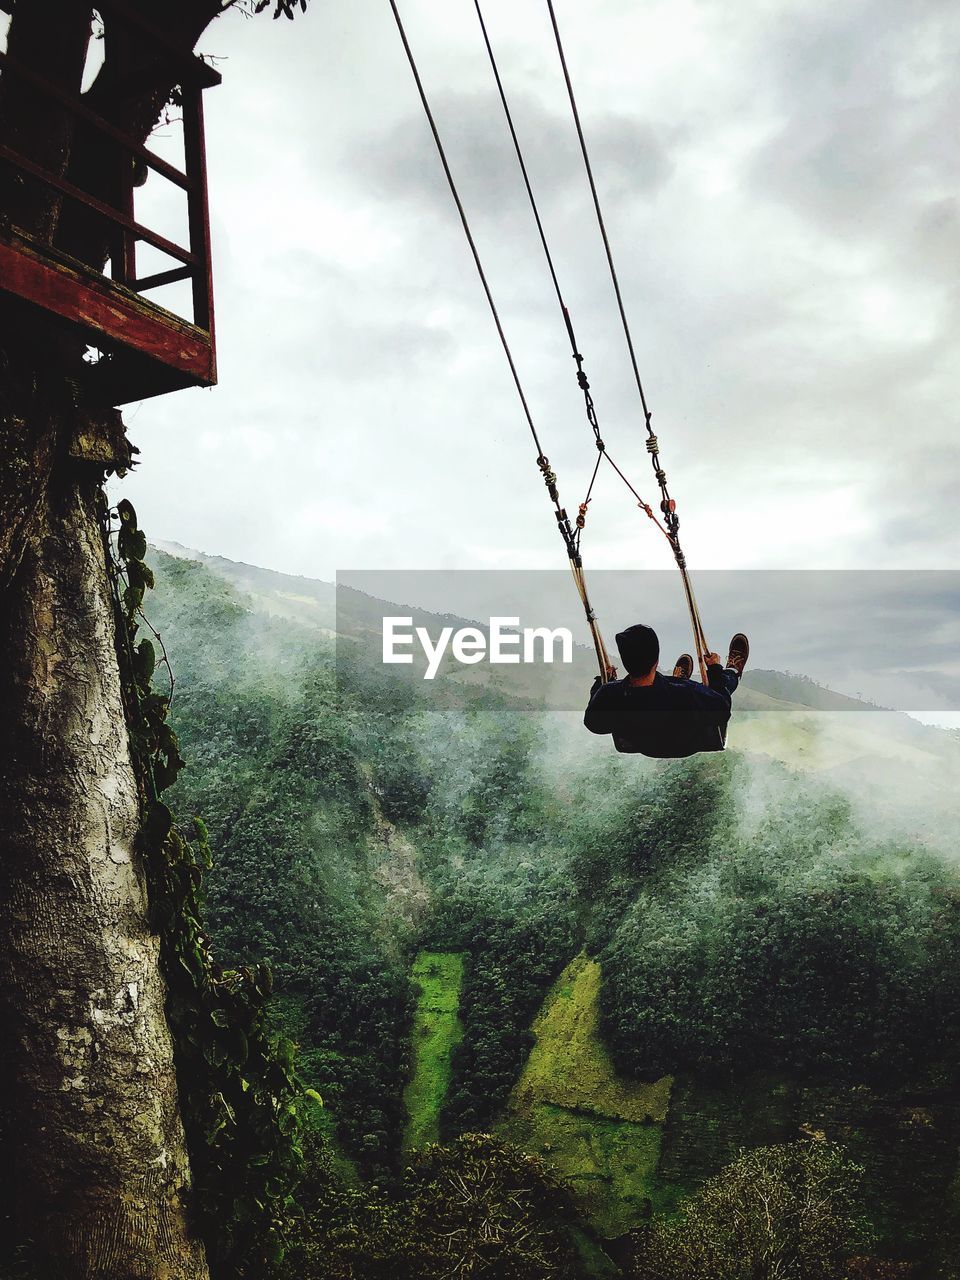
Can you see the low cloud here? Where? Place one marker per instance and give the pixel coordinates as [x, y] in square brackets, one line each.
[632, 158]
[778, 184]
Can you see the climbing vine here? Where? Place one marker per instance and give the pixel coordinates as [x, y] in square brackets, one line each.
[239, 1094]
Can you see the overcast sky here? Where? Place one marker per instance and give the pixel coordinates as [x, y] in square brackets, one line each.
[779, 178]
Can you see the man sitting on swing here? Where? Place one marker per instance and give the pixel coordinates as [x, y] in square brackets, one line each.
[665, 716]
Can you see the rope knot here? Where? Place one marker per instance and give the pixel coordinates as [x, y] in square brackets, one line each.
[653, 446]
[582, 382]
[549, 477]
[582, 517]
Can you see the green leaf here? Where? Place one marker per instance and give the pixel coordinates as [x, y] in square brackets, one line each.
[137, 545]
[132, 599]
[165, 775]
[145, 661]
[127, 514]
[158, 823]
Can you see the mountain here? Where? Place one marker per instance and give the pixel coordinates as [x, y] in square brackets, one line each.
[481, 918]
[889, 763]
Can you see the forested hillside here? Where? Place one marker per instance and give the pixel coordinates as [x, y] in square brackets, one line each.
[703, 956]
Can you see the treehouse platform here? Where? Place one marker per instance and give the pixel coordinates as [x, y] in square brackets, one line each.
[136, 347]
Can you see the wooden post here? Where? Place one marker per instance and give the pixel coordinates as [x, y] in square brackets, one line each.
[123, 262]
[195, 162]
[126, 270]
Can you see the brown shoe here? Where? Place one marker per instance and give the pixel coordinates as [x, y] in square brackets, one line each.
[739, 653]
[684, 668]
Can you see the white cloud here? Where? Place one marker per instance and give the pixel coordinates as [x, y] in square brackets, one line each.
[778, 181]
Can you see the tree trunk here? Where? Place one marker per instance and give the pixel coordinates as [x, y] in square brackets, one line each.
[93, 1144]
[94, 1178]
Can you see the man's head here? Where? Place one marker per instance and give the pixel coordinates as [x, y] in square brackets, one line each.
[639, 649]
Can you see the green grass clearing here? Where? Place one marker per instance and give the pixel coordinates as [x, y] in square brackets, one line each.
[436, 1033]
[600, 1132]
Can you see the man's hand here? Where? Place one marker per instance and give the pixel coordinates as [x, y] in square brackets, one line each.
[712, 659]
[598, 681]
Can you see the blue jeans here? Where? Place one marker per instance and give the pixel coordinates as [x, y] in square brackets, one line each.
[732, 680]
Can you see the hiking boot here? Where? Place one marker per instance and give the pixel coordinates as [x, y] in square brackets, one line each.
[684, 668]
[738, 654]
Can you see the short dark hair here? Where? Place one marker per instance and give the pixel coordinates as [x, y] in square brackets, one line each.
[639, 649]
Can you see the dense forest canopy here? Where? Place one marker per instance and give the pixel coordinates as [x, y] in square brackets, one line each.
[743, 916]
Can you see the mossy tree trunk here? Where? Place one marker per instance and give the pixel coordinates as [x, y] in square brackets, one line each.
[93, 1145]
[94, 1175]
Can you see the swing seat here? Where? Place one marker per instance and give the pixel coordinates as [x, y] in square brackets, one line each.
[628, 748]
[667, 719]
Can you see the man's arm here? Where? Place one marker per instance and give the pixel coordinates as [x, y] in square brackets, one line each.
[715, 680]
[598, 717]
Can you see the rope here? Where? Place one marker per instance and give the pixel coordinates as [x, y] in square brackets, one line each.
[603, 660]
[466, 226]
[599, 211]
[667, 504]
[543, 462]
[582, 380]
[520, 159]
[572, 541]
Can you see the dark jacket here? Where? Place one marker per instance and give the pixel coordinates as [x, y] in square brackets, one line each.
[666, 719]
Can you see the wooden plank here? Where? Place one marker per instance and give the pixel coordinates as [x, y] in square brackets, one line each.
[104, 309]
[90, 202]
[161, 278]
[127, 240]
[195, 157]
[81, 111]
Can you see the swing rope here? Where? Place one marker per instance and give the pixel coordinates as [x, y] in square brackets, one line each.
[543, 462]
[582, 380]
[667, 504]
[668, 527]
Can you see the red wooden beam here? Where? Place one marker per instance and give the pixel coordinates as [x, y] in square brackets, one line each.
[104, 309]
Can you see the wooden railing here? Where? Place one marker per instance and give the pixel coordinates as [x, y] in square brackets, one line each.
[122, 231]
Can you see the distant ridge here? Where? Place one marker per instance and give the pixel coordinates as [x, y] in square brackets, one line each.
[305, 600]
[312, 602]
[897, 769]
